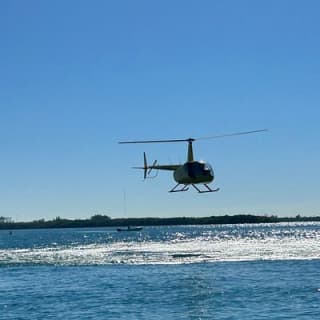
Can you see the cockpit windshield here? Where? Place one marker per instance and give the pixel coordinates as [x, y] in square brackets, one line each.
[207, 167]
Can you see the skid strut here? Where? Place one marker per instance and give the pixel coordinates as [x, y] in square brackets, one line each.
[184, 188]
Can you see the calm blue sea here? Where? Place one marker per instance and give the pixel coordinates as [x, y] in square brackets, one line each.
[267, 271]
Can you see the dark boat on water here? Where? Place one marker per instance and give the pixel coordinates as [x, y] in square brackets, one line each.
[130, 229]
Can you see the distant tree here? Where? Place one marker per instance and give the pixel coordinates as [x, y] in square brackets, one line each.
[100, 220]
[5, 219]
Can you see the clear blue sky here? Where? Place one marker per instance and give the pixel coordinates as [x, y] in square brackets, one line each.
[78, 76]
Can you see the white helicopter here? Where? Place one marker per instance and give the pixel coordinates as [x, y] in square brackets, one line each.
[191, 173]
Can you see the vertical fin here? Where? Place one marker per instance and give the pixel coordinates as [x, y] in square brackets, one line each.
[145, 165]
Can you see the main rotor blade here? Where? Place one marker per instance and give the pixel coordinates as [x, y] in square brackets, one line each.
[194, 139]
[232, 134]
[156, 141]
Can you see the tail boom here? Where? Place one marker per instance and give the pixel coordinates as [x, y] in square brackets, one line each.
[148, 168]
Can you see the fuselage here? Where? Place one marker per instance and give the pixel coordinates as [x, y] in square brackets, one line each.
[194, 172]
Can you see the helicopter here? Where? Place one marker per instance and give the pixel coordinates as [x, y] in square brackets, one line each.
[191, 173]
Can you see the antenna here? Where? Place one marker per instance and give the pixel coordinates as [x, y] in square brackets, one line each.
[124, 203]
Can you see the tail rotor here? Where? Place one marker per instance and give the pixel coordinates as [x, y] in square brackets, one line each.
[152, 167]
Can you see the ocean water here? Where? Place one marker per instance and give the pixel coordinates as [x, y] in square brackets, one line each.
[266, 271]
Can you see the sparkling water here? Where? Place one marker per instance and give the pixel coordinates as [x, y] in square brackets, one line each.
[266, 271]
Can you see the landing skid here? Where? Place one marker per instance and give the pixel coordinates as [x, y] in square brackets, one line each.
[208, 189]
[186, 188]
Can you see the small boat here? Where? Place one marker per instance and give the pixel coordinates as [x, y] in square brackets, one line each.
[130, 229]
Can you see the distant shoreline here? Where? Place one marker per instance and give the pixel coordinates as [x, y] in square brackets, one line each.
[106, 221]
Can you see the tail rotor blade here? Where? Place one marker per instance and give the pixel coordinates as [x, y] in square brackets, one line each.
[152, 167]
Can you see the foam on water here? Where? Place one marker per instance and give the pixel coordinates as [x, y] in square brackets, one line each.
[167, 245]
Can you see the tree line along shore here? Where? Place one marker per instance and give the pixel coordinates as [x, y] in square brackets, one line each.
[106, 221]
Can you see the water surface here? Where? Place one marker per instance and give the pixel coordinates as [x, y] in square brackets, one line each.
[268, 271]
